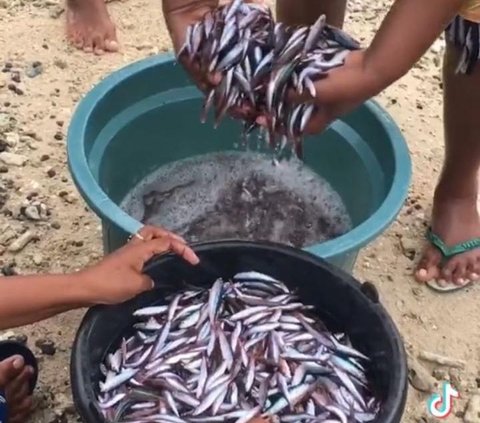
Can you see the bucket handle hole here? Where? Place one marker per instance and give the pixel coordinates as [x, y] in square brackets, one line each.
[370, 291]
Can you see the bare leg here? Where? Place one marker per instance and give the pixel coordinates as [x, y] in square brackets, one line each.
[455, 217]
[306, 12]
[89, 26]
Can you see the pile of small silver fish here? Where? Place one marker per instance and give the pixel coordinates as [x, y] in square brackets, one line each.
[260, 60]
[241, 349]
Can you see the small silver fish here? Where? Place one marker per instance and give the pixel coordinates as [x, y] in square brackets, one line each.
[210, 354]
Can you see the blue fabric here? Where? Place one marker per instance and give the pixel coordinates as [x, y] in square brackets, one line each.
[466, 36]
[3, 408]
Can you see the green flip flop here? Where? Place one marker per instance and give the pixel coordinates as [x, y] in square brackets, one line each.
[447, 253]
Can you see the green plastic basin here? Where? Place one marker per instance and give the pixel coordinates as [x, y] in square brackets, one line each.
[147, 114]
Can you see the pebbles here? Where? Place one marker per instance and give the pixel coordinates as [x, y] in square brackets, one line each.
[7, 234]
[12, 139]
[22, 198]
[472, 412]
[424, 142]
[13, 159]
[7, 122]
[35, 69]
[35, 211]
[14, 336]
[409, 247]
[21, 242]
[46, 346]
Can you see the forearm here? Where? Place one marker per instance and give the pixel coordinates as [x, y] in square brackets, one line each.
[409, 29]
[27, 299]
[26, 319]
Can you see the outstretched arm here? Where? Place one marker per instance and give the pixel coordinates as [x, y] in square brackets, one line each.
[117, 278]
[28, 299]
[407, 31]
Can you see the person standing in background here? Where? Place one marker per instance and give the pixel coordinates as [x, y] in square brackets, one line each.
[89, 26]
[91, 29]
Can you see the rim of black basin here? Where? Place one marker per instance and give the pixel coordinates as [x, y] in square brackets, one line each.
[390, 363]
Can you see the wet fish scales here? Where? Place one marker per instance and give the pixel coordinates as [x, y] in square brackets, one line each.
[213, 386]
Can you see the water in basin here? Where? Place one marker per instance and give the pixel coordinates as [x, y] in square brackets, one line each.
[240, 195]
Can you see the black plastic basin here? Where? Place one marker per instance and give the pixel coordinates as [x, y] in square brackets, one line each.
[341, 301]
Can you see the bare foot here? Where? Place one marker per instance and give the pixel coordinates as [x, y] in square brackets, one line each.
[14, 381]
[454, 220]
[89, 26]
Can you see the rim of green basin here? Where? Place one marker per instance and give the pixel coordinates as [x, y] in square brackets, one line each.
[107, 209]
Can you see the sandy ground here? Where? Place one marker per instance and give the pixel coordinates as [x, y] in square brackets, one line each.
[33, 121]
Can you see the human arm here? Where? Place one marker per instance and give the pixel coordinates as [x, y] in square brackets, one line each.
[117, 278]
[407, 31]
[179, 15]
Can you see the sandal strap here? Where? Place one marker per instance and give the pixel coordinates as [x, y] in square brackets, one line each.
[454, 250]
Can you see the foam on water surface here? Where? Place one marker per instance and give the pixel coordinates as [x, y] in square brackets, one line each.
[240, 195]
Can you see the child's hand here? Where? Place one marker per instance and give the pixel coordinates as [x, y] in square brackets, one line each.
[118, 277]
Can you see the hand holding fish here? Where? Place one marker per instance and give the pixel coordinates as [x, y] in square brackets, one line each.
[180, 15]
[119, 276]
[249, 63]
[346, 88]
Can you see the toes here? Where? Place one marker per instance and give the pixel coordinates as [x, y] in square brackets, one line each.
[17, 389]
[106, 42]
[21, 391]
[88, 45]
[10, 369]
[447, 270]
[19, 400]
[473, 270]
[21, 410]
[442, 282]
[462, 269]
[473, 277]
[75, 38]
[428, 267]
[77, 42]
[450, 274]
[459, 272]
[110, 40]
[111, 46]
